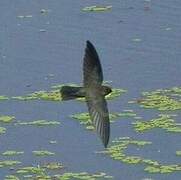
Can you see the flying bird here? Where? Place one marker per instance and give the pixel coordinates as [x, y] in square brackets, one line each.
[93, 91]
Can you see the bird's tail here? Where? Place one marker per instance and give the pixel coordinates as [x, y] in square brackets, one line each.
[70, 92]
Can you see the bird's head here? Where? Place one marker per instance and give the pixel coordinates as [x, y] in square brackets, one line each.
[106, 90]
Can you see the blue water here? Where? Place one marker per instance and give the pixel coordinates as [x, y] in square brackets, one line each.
[28, 56]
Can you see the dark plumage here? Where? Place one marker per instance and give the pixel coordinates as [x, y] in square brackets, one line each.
[94, 93]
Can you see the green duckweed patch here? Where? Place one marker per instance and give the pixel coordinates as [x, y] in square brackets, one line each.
[52, 95]
[127, 114]
[118, 146]
[96, 8]
[84, 118]
[12, 153]
[71, 175]
[11, 177]
[8, 163]
[6, 119]
[43, 153]
[53, 166]
[117, 152]
[178, 153]
[163, 168]
[39, 123]
[38, 172]
[2, 130]
[3, 98]
[84, 176]
[162, 99]
[115, 93]
[164, 122]
[31, 170]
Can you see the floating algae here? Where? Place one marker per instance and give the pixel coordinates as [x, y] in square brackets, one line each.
[39, 123]
[52, 95]
[166, 99]
[160, 102]
[178, 153]
[2, 130]
[8, 163]
[55, 95]
[31, 170]
[83, 175]
[96, 8]
[163, 168]
[53, 166]
[6, 119]
[116, 92]
[117, 148]
[43, 153]
[3, 98]
[12, 153]
[84, 118]
[117, 152]
[38, 172]
[11, 177]
[164, 122]
[127, 114]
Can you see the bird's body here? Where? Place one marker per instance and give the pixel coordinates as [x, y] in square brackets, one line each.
[71, 92]
[93, 91]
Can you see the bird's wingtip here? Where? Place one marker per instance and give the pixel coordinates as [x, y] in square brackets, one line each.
[105, 143]
[88, 43]
[105, 146]
[90, 46]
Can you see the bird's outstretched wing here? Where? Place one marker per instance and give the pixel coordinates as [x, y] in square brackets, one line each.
[92, 70]
[99, 115]
[96, 102]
